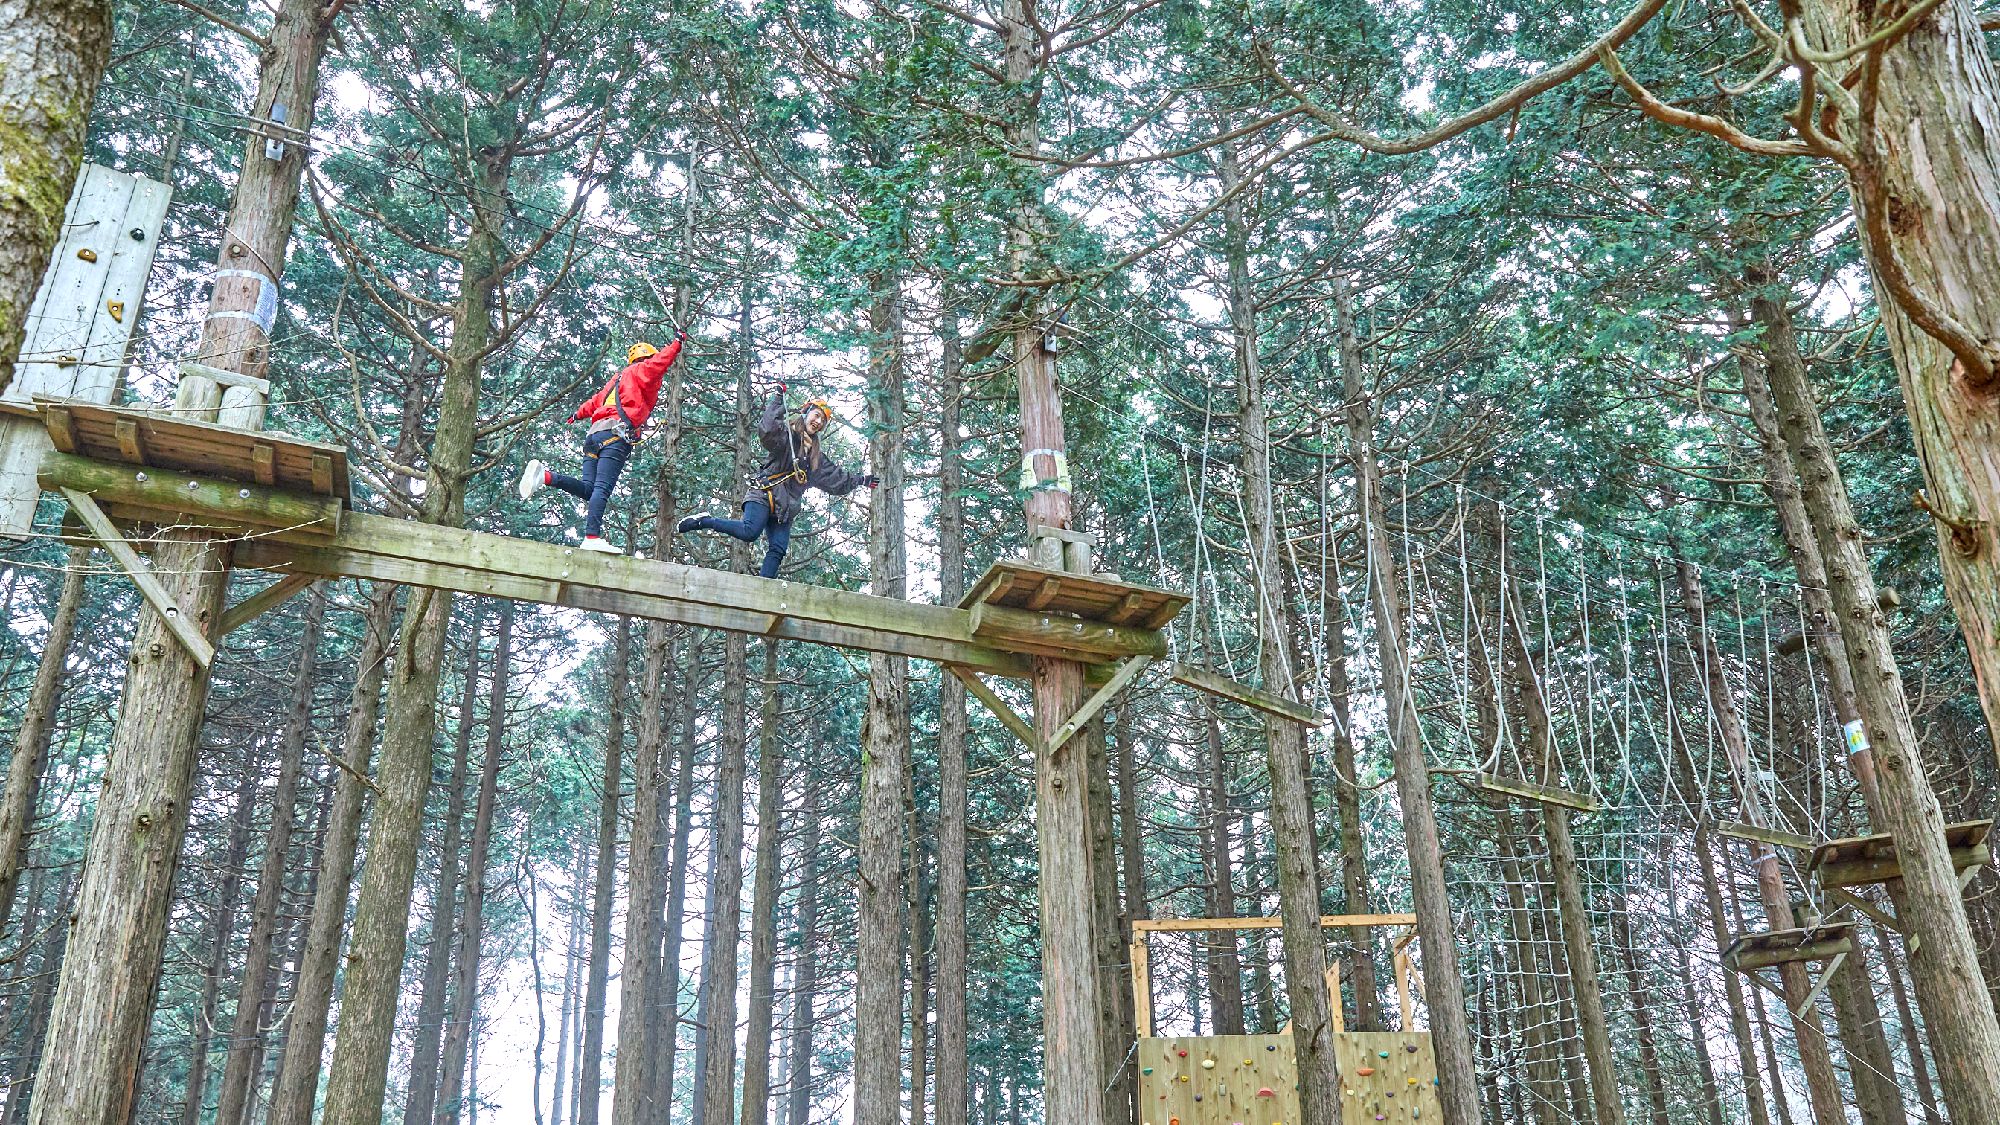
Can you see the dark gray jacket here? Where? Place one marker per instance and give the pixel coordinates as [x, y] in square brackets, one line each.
[793, 465]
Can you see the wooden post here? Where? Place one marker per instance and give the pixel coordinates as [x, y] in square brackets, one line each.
[1142, 988]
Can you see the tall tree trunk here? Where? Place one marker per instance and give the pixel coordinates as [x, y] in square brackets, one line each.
[297, 1086]
[20, 1091]
[1538, 1017]
[566, 1014]
[358, 1079]
[805, 978]
[1642, 1011]
[878, 996]
[1927, 192]
[222, 930]
[1284, 741]
[52, 53]
[953, 793]
[604, 892]
[1353, 852]
[427, 1038]
[1225, 971]
[639, 1056]
[454, 1085]
[1912, 1042]
[1114, 972]
[254, 998]
[1739, 1011]
[920, 971]
[669, 984]
[1697, 1022]
[38, 724]
[1450, 1037]
[104, 1000]
[1961, 1020]
[764, 909]
[1822, 1083]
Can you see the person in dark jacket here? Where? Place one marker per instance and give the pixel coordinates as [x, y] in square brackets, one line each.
[794, 463]
[617, 416]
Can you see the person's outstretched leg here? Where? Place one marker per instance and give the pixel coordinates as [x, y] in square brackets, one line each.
[756, 514]
[580, 486]
[775, 545]
[611, 458]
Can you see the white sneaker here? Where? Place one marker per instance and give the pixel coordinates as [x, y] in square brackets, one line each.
[533, 479]
[596, 543]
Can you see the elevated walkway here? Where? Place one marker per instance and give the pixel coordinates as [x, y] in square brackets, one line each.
[286, 499]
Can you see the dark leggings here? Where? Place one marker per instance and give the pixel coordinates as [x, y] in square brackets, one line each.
[604, 456]
[756, 521]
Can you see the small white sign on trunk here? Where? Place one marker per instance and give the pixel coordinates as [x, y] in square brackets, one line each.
[80, 327]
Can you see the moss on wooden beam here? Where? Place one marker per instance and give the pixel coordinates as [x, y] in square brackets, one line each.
[219, 503]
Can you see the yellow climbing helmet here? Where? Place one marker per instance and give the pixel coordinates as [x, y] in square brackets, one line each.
[825, 409]
[640, 351]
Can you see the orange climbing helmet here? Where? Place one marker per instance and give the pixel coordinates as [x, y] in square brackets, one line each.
[825, 411]
[640, 351]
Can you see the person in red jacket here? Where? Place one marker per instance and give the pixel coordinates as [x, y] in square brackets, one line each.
[617, 416]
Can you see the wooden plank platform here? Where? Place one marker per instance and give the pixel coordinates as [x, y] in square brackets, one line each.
[1531, 791]
[1783, 947]
[154, 439]
[1777, 838]
[1018, 585]
[1861, 860]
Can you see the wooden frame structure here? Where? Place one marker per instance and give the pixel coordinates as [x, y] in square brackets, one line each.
[1830, 942]
[1859, 861]
[1142, 956]
[287, 498]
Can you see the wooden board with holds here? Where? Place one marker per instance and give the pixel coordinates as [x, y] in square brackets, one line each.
[1218, 1080]
[1386, 1076]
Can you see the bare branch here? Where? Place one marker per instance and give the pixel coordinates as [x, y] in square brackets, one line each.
[224, 22]
[1338, 128]
[1699, 122]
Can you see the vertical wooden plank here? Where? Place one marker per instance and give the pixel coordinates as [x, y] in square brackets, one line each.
[1333, 997]
[1142, 989]
[1402, 966]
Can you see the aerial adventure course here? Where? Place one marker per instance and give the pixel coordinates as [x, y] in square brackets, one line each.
[1470, 533]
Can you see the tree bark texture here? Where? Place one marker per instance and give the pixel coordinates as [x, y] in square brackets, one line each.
[52, 53]
[885, 777]
[1451, 1037]
[764, 908]
[30, 762]
[805, 976]
[1353, 850]
[1926, 190]
[459, 1030]
[604, 889]
[427, 1038]
[953, 793]
[254, 997]
[297, 1085]
[221, 933]
[1225, 970]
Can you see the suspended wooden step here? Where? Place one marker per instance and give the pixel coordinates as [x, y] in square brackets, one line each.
[1862, 860]
[1092, 597]
[1532, 791]
[1766, 948]
[1775, 837]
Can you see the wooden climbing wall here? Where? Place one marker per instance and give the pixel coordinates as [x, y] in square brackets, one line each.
[1386, 1076]
[1218, 1080]
[1253, 1079]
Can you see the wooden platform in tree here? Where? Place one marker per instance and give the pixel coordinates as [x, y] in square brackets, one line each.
[1532, 791]
[1862, 860]
[157, 440]
[1766, 948]
[1091, 597]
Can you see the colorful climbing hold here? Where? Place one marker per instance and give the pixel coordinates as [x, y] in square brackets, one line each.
[1271, 1047]
[1146, 1070]
[1413, 1081]
[1183, 1077]
[1246, 1062]
[1410, 1047]
[1197, 1097]
[1266, 1092]
[1182, 1052]
[1364, 1071]
[1208, 1064]
[1383, 1054]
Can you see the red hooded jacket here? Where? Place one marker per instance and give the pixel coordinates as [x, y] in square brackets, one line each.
[637, 388]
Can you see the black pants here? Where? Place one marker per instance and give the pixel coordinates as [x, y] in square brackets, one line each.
[756, 521]
[604, 457]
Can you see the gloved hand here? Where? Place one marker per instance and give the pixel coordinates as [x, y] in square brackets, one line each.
[580, 413]
[680, 335]
[778, 389]
[870, 481]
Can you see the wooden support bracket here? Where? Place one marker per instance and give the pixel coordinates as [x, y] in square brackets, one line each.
[1849, 898]
[268, 598]
[128, 560]
[1142, 989]
[1201, 679]
[1126, 673]
[1819, 985]
[1023, 730]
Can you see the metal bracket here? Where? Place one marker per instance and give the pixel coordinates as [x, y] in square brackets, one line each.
[128, 560]
[268, 598]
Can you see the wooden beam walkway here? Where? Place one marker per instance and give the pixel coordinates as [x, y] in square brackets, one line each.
[287, 499]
